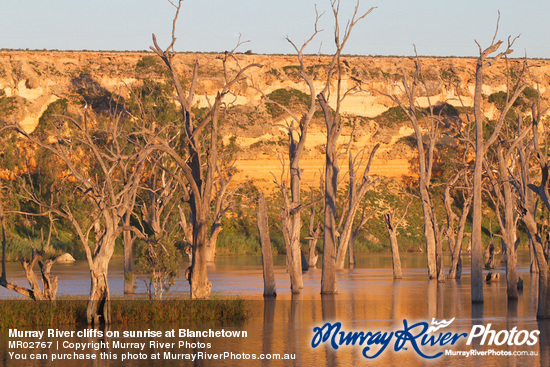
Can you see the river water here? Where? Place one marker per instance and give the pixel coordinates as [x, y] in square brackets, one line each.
[368, 300]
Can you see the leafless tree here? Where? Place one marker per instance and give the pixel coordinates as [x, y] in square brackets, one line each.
[486, 59]
[539, 148]
[104, 164]
[504, 200]
[429, 121]
[199, 165]
[270, 289]
[297, 134]
[334, 124]
[455, 233]
[356, 193]
[49, 282]
[391, 227]
[314, 232]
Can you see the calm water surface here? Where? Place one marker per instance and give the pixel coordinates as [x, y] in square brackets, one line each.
[368, 300]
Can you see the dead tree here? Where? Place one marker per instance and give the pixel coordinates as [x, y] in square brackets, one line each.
[527, 204]
[49, 282]
[297, 134]
[356, 193]
[454, 233]
[313, 235]
[199, 165]
[504, 200]
[542, 190]
[431, 122]
[391, 227]
[104, 166]
[485, 61]
[334, 124]
[270, 289]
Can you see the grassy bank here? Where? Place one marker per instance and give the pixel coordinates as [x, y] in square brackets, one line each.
[23, 313]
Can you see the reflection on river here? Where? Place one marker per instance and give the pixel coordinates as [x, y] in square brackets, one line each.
[368, 300]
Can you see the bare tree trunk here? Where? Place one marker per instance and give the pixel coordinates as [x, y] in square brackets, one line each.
[200, 285]
[434, 250]
[313, 255]
[455, 240]
[99, 303]
[49, 282]
[270, 289]
[328, 276]
[352, 248]
[356, 193]
[543, 308]
[533, 263]
[508, 225]
[429, 233]
[212, 242]
[128, 243]
[529, 218]
[480, 148]
[392, 233]
[313, 236]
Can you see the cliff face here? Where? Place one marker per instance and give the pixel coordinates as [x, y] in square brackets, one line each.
[31, 81]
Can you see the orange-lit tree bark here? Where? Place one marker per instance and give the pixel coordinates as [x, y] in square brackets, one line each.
[334, 124]
[391, 227]
[314, 234]
[356, 193]
[270, 288]
[424, 121]
[486, 59]
[454, 232]
[49, 282]
[104, 164]
[297, 134]
[542, 190]
[200, 163]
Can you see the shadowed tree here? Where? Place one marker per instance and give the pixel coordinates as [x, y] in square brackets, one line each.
[538, 147]
[454, 232]
[199, 166]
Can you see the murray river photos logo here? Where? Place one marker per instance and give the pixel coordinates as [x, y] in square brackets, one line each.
[420, 336]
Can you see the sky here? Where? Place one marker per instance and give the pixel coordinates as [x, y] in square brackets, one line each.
[436, 27]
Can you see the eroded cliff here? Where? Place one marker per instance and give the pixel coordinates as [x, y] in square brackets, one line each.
[31, 81]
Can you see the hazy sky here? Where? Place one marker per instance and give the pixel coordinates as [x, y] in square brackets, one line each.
[437, 27]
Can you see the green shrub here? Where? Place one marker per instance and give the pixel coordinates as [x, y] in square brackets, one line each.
[290, 98]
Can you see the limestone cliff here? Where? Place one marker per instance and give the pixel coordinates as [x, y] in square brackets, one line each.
[31, 80]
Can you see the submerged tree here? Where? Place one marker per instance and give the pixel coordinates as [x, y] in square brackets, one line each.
[334, 126]
[292, 206]
[425, 121]
[538, 147]
[199, 166]
[455, 232]
[485, 60]
[391, 227]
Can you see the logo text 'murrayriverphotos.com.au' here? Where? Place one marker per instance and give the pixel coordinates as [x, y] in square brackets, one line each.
[419, 336]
